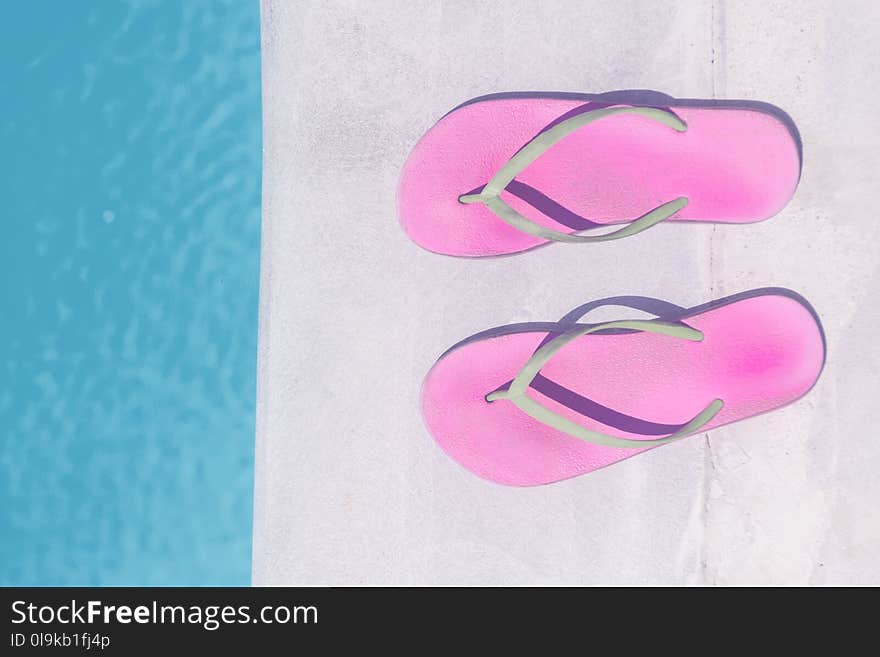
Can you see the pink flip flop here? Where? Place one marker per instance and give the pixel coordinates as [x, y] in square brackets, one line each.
[505, 173]
[530, 404]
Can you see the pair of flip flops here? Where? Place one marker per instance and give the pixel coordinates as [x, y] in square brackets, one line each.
[529, 404]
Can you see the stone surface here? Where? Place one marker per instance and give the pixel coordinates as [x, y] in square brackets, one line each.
[350, 487]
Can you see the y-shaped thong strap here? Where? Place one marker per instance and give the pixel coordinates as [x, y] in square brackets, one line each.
[491, 193]
[662, 310]
[516, 391]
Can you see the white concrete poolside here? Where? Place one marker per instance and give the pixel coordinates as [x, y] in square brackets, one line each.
[350, 487]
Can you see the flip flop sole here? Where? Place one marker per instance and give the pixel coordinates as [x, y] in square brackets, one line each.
[734, 165]
[758, 353]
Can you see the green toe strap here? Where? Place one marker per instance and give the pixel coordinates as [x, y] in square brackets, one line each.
[516, 393]
[491, 194]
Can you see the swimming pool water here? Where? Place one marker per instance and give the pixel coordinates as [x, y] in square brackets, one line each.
[131, 214]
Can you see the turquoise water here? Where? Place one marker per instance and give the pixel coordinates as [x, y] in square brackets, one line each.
[131, 208]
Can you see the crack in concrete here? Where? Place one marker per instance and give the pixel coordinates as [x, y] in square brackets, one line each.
[709, 461]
